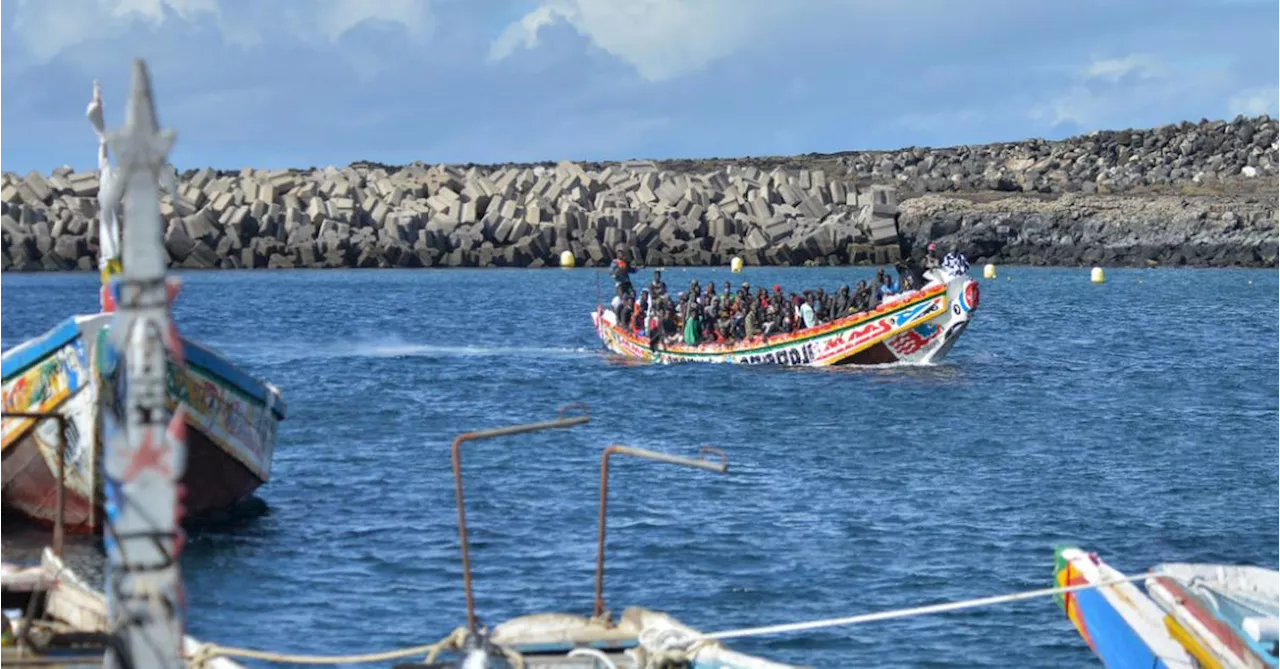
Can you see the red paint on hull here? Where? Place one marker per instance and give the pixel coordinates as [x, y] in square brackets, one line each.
[31, 488]
[213, 480]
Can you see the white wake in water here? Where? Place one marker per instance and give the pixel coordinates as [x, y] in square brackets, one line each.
[439, 351]
[276, 352]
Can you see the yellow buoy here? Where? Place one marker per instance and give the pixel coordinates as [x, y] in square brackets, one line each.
[1097, 276]
[735, 265]
[989, 271]
[567, 260]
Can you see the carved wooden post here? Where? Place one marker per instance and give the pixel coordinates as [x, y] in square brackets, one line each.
[145, 454]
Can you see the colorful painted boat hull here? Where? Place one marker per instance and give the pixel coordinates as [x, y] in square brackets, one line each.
[232, 420]
[914, 328]
[1122, 626]
[1210, 608]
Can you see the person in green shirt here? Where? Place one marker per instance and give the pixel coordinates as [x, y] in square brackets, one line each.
[692, 324]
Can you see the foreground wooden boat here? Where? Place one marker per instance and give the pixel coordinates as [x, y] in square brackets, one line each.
[231, 417]
[1190, 615]
[60, 620]
[1121, 624]
[72, 372]
[916, 327]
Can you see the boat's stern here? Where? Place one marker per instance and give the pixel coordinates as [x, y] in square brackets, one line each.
[606, 324]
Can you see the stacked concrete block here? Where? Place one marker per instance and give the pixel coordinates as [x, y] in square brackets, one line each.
[374, 216]
[774, 211]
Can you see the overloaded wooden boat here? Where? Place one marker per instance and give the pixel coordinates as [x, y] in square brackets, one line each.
[1191, 615]
[70, 371]
[917, 327]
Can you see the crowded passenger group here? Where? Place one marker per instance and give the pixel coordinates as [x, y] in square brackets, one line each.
[705, 314]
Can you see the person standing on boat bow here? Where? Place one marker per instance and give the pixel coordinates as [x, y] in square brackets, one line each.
[621, 271]
[955, 263]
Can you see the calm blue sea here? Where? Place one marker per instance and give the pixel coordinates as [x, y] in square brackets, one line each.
[1137, 419]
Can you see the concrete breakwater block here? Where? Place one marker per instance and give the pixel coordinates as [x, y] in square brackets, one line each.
[851, 208]
[426, 216]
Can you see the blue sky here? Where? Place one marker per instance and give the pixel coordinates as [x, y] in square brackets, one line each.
[296, 83]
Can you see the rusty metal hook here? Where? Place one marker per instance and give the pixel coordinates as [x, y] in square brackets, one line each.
[702, 462]
[562, 421]
[59, 525]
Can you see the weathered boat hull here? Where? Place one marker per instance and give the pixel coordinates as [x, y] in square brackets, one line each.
[231, 419]
[915, 328]
[1211, 609]
[73, 605]
[544, 640]
[1122, 626]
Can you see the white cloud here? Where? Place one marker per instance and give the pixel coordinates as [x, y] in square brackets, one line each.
[522, 33]
[661, 39]
[46, 28]
[1142, 66]
[336, 17]
[1120, 92]
[1255, 101]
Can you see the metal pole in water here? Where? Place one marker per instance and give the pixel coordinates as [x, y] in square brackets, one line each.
[145, 449]
[720, 464]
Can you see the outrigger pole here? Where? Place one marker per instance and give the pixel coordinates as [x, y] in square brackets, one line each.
[145, 449]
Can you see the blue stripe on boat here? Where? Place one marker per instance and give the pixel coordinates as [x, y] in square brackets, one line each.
[21, 357]
[1115, 642]
[17, 359]
[204, 357]
[552, 647]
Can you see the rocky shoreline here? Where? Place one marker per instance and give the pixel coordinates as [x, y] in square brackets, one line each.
[1201, 194]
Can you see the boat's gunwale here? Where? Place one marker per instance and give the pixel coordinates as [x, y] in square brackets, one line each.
[826, 329]
[22, 357]
[26, 355]
[243, 383]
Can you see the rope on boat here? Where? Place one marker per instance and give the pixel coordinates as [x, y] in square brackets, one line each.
[942, 607]
[669, 644]
[208, 651]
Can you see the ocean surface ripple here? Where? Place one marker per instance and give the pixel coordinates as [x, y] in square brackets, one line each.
[1137, 419]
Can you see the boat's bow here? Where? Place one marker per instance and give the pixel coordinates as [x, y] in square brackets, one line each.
[1122, 626]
